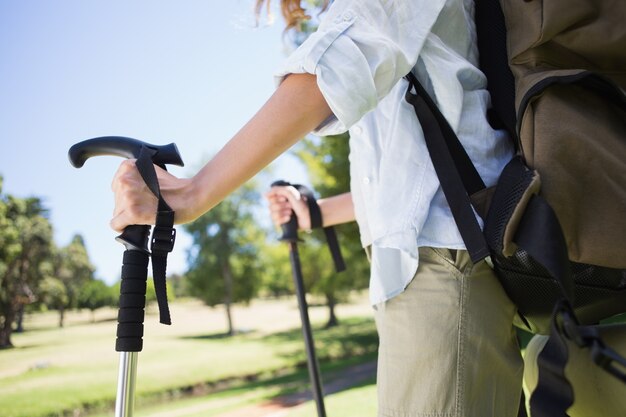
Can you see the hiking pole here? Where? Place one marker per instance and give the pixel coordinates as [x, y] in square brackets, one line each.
[309, 343]
[290, 235]
[135, 260]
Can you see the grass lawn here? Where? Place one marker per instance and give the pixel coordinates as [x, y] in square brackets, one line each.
[248, 398]
[53, 371]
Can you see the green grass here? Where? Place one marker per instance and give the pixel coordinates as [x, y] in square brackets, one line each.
[53, 371]
[268, 392]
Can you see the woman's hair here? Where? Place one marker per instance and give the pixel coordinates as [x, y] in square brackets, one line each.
[292, 11]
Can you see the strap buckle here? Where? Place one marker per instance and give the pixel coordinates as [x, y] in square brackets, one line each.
[164, 234]
[163, 239]
[589, 337]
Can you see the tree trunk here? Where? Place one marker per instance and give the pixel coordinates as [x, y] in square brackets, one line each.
[7, 315]
[20, 319]
[228, 296]
[61, 316]
[229, 318]
[332, 317]
[6, 329]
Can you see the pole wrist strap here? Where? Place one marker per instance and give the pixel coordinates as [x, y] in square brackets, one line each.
[316, 223]
[163, 233]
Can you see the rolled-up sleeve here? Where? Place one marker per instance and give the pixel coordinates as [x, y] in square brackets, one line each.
[360, 51]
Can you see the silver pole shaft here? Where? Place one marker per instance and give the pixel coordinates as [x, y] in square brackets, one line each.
[125, 400]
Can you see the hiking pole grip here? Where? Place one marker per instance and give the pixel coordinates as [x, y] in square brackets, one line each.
[133, 237]
[124, 147]
[289, 229]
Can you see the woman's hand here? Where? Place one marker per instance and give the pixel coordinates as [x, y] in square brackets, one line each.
[282, 200]
[135, 203]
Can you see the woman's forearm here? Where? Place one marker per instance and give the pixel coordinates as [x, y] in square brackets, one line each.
[336, 209]
[295, 109]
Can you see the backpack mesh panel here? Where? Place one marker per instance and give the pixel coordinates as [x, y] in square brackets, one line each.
[598, 292]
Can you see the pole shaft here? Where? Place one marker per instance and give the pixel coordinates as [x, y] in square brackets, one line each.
[124, 402]
[314, 372]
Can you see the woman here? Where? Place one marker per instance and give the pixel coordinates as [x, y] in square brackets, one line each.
[447, 345]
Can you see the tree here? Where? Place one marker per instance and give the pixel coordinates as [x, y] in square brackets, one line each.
[74, 269]
[224, 258]
[25, 245]
[276, 278]
[53, 294]
[95, 294]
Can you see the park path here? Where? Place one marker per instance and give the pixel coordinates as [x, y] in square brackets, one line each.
[333, 383]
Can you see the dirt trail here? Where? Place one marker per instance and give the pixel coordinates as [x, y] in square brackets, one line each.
[334, 382]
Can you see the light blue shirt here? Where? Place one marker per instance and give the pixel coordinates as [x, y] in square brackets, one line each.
[360, 54]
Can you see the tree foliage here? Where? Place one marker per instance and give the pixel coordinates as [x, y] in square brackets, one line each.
[95, 294]
[25, 248]
[32, 269]
[74, 270]
[276, 278]
[53, 294]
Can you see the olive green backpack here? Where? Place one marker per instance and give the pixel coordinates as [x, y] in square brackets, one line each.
[555, 224]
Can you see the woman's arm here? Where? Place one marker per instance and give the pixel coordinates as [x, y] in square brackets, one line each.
[295, 109]
[335, 210]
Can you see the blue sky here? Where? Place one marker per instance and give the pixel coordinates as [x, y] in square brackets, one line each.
[190, 72]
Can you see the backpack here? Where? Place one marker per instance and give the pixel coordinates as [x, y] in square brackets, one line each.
[555, 224]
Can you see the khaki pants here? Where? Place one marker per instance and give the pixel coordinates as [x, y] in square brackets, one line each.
[596, 393]
[447, 343]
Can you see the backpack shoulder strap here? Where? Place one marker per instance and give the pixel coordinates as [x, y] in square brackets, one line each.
[456, 172]
[493, 61]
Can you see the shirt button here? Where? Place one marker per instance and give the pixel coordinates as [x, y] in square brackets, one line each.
[347, 16]
[366, 180]
[357, 130]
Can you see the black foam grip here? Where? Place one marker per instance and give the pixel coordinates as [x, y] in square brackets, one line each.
[130, 330]
[133, 286]
[132, 301]
[130, 315]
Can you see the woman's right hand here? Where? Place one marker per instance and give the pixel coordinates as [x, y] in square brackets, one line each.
[285, 199]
